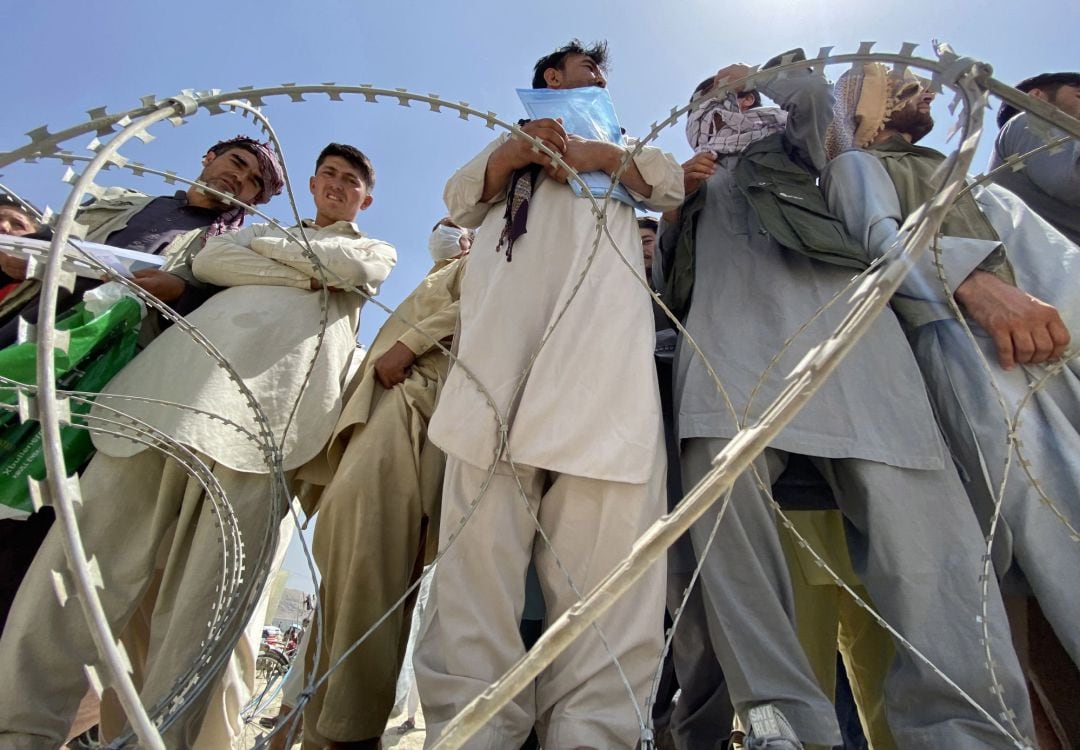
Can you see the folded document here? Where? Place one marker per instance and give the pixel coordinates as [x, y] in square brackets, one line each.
[77, 252]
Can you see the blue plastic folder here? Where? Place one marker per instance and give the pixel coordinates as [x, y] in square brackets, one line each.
[588, 112]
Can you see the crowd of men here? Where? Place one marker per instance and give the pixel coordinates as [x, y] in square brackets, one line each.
[572, 415]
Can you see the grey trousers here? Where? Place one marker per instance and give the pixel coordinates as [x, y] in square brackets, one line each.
[916, 544]
[702, 717]
[129, 507]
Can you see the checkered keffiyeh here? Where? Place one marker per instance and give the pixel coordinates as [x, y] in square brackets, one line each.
[719, 127]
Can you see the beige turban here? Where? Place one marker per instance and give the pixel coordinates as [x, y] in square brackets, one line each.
[866, 96]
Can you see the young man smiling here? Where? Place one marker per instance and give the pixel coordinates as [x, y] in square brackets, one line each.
[266, 324]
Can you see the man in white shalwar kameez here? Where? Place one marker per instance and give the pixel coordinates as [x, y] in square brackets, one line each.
[1020, 299]
[584, 436]
[140, 506]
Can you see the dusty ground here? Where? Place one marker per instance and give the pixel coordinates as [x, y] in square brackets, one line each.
[411, 740]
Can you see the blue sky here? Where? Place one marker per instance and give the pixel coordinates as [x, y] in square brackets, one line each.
[66, 57]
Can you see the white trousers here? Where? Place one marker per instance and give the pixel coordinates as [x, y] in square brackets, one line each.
[469, 635]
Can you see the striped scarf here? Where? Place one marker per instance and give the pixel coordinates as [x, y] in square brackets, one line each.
[522, 184]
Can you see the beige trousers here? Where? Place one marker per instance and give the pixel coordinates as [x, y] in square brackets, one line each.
[828, 619]
[469, 635]
[370, 537]
[129, 506]
[222, 725]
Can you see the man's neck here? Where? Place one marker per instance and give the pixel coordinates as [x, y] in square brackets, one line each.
[199, 199]
[888, 133]
[322, 221]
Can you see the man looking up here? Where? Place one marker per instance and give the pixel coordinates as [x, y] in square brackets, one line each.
[868, 431]
[1050, 181]
[266, 324]
[1015, 279]
[584, 434]
[15, 219]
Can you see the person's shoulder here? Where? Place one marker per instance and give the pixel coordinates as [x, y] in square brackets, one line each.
[1014, 134]
[118, 197]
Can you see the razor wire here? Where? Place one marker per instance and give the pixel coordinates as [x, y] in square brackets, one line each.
[807, 377]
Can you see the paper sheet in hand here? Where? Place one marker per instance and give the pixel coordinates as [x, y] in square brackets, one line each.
[117, 258]
[588, 112]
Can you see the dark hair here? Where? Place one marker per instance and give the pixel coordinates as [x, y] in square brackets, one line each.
[22, 207]
[1047, 82]
[598, 53]
[354, 156]
[648, 222]
[705, 85]
[247, 144]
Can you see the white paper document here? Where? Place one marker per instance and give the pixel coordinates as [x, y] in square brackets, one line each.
[122, 261]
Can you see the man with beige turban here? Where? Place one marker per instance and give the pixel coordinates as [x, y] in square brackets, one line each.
[378, 517]
[1015, 278]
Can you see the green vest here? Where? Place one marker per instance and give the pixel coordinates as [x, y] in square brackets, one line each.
[790, 207]
[785, 197]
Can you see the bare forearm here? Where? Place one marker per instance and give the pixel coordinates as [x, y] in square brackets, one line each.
[631, 176]
[496, 175]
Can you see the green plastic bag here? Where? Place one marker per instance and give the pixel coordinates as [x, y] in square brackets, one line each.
[98, 349]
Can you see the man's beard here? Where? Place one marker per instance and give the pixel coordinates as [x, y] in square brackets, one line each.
[217, 184]
[912, 122]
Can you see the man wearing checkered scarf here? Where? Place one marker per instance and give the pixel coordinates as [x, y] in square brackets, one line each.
[758, 308]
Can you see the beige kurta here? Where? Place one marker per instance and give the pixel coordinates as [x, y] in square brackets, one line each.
[265, 324]
[377, 516]
[96, 221]
[589, 404]
[428, 315]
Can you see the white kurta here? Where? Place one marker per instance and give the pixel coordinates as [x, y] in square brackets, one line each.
[266, 324]
[588, 405]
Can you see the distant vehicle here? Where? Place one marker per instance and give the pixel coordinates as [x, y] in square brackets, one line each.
[272, 637]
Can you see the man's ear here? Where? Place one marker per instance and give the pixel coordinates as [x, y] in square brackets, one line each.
[366, 202]
[1039, 94]
[311, 184]
[210, 156]
[552, 77]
